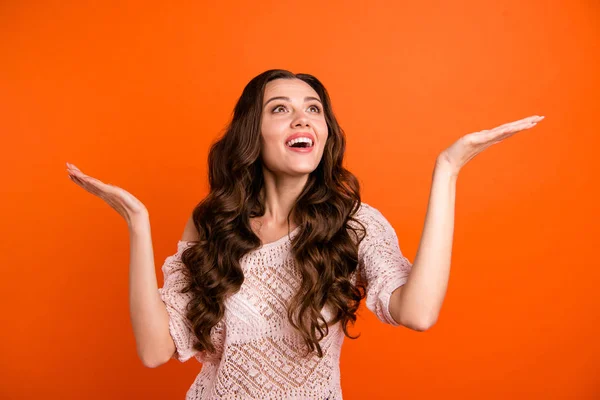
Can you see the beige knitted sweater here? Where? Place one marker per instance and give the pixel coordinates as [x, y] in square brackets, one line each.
[257, 349]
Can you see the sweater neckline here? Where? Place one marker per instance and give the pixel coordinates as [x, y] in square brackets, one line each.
[280, 240]
[264, 246]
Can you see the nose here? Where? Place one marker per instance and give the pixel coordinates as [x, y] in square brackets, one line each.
[300, 120]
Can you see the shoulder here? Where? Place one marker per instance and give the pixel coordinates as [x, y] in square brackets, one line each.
[365, 210]
[190, 234]
[373, 220]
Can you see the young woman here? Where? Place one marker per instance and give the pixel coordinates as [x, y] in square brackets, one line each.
[273, 263]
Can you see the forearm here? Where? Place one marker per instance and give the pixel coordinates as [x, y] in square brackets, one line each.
[421, 298]
[149, 317]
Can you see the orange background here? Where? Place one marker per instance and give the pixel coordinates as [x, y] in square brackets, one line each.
[133, 93]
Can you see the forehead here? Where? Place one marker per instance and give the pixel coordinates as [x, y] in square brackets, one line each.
[289, 88]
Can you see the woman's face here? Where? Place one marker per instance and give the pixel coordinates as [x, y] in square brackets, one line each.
[290, 107]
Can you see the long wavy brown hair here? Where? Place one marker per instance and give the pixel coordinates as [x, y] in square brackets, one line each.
[325, 249]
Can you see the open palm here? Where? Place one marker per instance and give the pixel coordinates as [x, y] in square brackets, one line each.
[468, 146]
[119, 199]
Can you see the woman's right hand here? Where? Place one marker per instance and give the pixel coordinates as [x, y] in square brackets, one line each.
[122, 201]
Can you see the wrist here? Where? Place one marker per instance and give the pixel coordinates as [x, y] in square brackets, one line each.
[443, 166]
[139, 222]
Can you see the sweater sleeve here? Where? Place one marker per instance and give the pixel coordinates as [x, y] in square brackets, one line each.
[382, 266]
[180, 327]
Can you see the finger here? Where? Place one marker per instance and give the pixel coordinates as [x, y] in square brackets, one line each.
[84, 184]
[520, 126]
[97, 187]
[72, 168]
[87, 178]
[93, 185]
[77, 173]
[533, 118]
[516, 127]
[501, 133]
[526, 125]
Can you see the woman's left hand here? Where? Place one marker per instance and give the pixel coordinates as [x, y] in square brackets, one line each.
[468, 146]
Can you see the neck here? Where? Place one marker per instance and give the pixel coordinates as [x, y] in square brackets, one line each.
[280, 194]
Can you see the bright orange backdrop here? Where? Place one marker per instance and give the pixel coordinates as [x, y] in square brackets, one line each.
[134, 92]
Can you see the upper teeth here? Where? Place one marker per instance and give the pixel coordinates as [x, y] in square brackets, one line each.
[300, 139]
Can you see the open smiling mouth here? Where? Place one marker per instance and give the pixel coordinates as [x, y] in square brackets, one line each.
[300, 143]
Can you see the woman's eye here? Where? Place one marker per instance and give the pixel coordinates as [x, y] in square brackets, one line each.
[313, 106]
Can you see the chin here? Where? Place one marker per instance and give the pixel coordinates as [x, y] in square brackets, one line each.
[302, 171]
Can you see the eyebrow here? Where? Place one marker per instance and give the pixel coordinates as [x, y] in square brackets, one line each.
[288, 99]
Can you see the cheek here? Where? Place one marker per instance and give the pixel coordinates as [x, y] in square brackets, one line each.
[272, 131]
[268, 134]
[323, 132]
[270, 147]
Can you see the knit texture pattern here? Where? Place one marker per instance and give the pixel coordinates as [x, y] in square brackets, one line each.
[258, 352]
